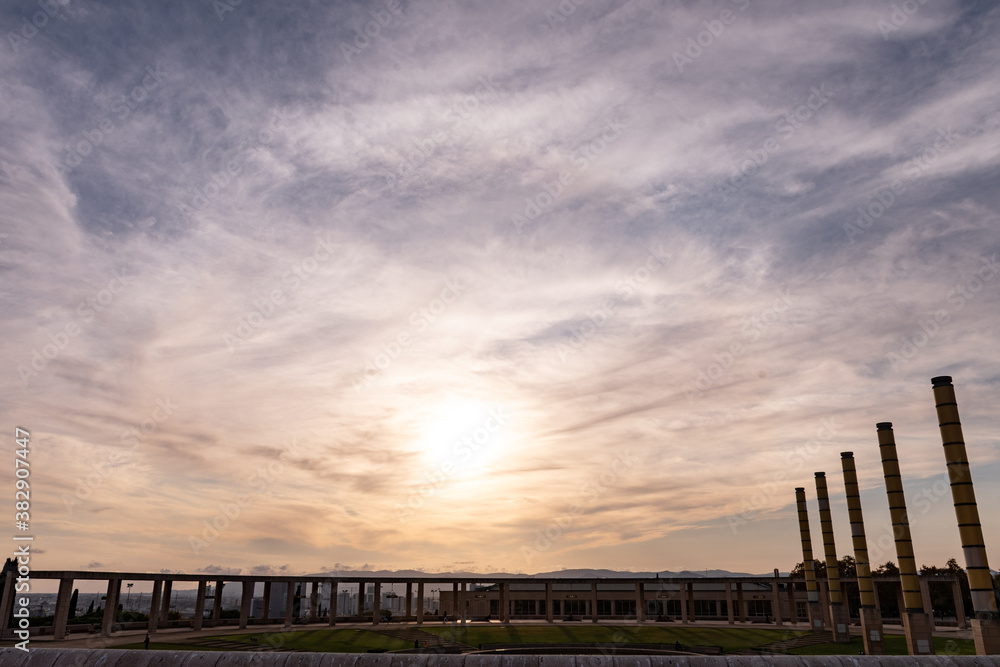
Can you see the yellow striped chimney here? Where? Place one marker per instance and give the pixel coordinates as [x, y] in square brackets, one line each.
[871, 619]
[916, 623]
[838, 612]
[812, 591]
[986, 624]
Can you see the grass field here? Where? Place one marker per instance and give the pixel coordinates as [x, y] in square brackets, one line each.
[730, 639]
[323, 641]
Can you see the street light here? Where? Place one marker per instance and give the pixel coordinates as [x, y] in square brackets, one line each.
[128, 596]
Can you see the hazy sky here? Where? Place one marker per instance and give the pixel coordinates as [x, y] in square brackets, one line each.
[492, 286]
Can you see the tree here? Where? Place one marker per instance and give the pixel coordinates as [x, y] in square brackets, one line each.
[846, 567]
[90, 609]
[887, 568]
[73, 601]
[819, 567]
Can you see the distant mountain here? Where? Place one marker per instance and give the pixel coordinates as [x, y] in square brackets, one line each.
[567, 574]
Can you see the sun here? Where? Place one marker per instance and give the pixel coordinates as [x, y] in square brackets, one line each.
[462, 436]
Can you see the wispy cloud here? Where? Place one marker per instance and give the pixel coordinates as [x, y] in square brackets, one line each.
[251, 221]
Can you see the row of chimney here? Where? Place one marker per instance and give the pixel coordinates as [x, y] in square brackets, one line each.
[917, 622]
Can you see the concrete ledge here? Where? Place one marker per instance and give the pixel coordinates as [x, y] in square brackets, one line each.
[55, 657]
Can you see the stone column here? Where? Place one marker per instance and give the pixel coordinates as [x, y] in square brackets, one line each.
[463, 604]
[265, 614]
[640, 603]
[289, 604]
[7, 606]
[776, 598]
[692, 616]
[916, 623]
[376, 602]
[815, 610]
[62, 608]
[361, 599]
[793, 613]
[420, 603]
[838, 608]
[871, 618]
[334, 601]
[314, 601]
[729, 603]
[548, 602]
[409, 599]
[217, 601]
[986, 624]
[168, 590]
[246, 598]
[824, 602]
[111, 606]
[925, 598]
[739, 602]
[154, 606]
[685, 618]
[504, 615]
[199, 605]
[593, 602]
[956, 593]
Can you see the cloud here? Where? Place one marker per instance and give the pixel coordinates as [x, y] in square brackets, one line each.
[242, 269]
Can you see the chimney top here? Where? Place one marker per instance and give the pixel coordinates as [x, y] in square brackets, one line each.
[847, 455]
[883, 426]
[941, 381]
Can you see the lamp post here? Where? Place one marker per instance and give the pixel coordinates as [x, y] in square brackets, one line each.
[128, 596]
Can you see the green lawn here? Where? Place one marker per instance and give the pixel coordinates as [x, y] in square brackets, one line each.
[324, 641]
[730, 639]
[894, 645]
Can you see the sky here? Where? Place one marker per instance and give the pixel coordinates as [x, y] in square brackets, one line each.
[492, 287]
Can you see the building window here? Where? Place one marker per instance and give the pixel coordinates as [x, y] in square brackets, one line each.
[758, 607]
[624, 607]
[704, 607]
[604, 607]
[673, 607]
[802, 610]
[524, 607]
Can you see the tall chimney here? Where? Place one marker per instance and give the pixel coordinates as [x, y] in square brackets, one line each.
[871, 618]
[986, 625]
[812, 591]
[838, 612]
[916, 623]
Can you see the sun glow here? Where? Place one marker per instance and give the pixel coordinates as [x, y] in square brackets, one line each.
[463, 437]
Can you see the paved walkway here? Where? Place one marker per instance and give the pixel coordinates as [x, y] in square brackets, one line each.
[182, 635]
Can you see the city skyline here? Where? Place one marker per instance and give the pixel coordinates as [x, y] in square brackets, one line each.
[291, 288]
